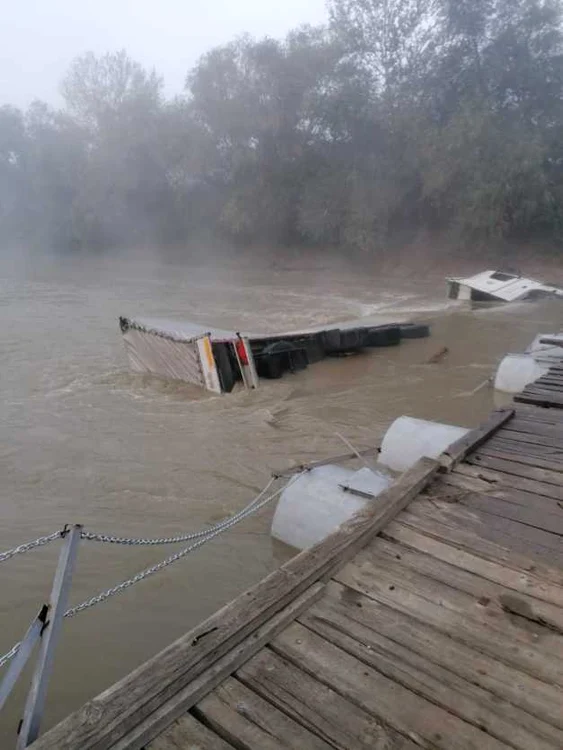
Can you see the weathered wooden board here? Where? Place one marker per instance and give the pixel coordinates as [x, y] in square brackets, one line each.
[531, 513]
[457, 486]
[317, 706]
[535, 543]
[423, 646]
[245, 719]
[540, 398]
[538, 415]
[486, 559]
[104, 720]
[544, 429]
[534, 462]
[458, 696]
[499, 479]
[458, 450]
[519, 436]
[531, 419]
[509, 466]
[548, 452]
[205, 682]
[386, 699]
[485, 613]
[534, 516]
[489, 641]
[461, 579]
[555, 386]
[189, 733]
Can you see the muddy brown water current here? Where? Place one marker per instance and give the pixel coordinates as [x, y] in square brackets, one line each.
[83, 440]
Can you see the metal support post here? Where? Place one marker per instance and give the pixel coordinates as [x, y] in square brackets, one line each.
[35, 703]
[23, 653]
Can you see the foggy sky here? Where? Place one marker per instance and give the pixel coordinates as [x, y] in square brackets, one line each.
[39, 38]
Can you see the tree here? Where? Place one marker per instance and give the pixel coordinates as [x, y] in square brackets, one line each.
[111, 91]
[13, 175]
[256, 99]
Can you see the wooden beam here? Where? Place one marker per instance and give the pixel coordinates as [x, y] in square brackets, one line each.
[109, 718]
[180, 703]
[457, 451]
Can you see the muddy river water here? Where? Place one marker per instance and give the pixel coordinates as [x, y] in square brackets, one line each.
[83, 440]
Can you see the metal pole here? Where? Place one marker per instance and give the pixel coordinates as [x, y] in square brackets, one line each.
[33, 711]
[23, 653]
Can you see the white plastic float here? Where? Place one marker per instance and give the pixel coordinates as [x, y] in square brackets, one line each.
[549, 351]
[315, 504]
[516, 371]
[409, 439]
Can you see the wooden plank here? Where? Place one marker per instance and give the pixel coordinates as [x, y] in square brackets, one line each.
[521, 458]
[529, 541]
[458, 696]
[545, 396]
[527, 437]
[456, 625]
[529, 513]
[551, 341]
[547, 429]
[486, 611]
[554, 392]
[317, 706]
[455, 483]
[386, 699]
[204, 683]
[508, 466]
[458, 578]
[537, 518]
[421, 645]
[458, 450]
[449, 521]
[188, 732]
[541, 385]
[538, 414]
[499, 479]
[540, 400]
[488, 560]
[116, 712]
[246, 720]
[502, 443]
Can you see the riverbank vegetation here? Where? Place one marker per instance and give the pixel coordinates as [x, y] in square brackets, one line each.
[399, 117]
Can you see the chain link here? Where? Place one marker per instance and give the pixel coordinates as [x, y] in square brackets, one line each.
[252, 508]
[140, 541]
[40, 542]
[202, 537]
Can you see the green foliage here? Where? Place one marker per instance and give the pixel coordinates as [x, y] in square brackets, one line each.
[401, 115]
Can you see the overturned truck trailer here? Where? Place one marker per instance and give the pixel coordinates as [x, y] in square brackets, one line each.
[217, 359]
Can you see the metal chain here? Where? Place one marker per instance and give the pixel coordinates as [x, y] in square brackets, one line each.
[255, 506]
[40, 542]
[203, 536]
[93, 537]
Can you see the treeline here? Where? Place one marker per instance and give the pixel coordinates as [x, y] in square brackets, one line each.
[400, 116]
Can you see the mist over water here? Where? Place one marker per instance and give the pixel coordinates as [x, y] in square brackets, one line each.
[83, 440]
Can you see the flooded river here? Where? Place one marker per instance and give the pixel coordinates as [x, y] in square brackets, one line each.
[83, 440]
